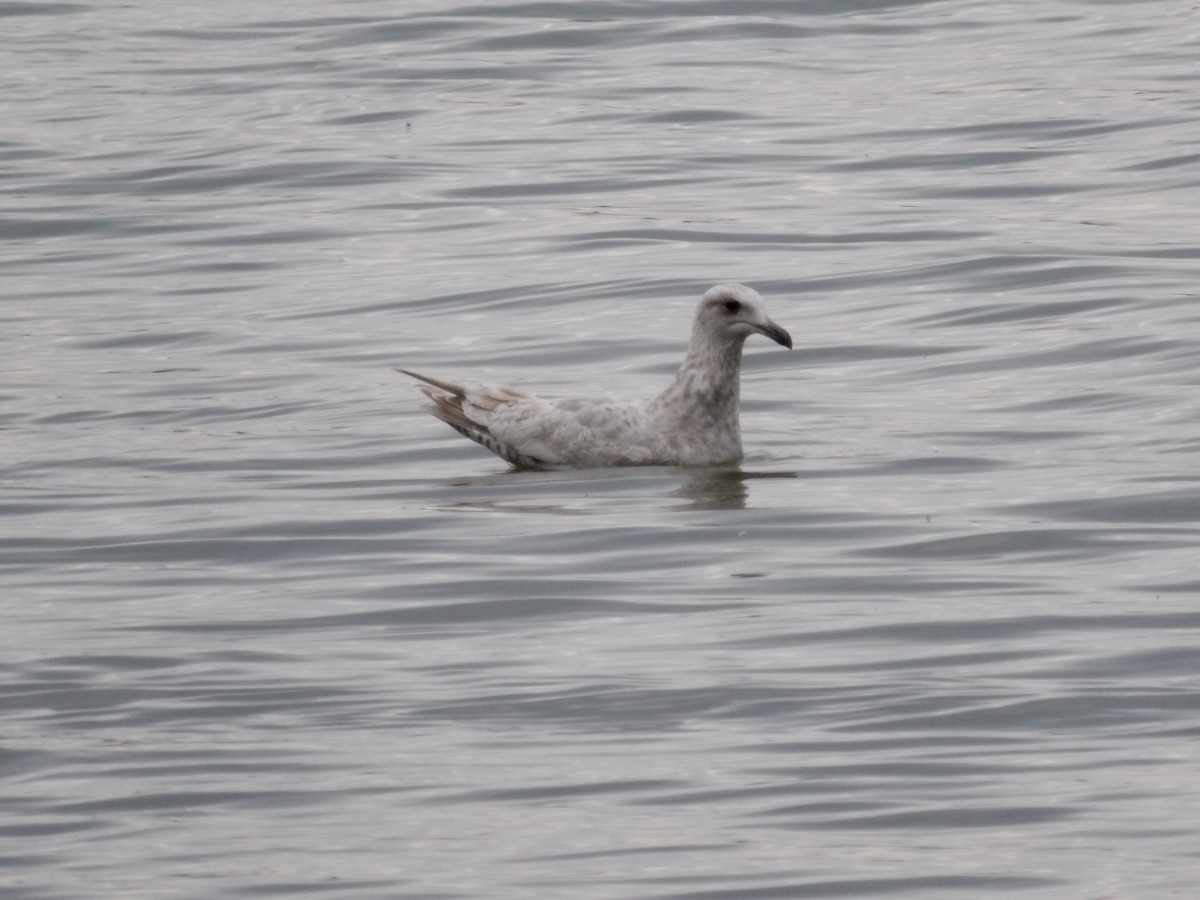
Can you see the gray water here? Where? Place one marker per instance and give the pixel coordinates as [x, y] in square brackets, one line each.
[268, 629]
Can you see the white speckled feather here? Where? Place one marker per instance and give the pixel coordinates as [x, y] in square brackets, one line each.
[694, 422]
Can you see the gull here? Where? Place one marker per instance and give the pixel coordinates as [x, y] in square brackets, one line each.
[694, 422]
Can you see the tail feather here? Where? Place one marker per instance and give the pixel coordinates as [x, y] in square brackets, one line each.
[454, 404]
[448, 387]
[447, 405]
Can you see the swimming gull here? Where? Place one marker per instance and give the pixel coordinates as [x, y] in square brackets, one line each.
[694, 422]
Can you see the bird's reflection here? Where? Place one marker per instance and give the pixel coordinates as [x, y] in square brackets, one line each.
[718, 488]
[580, 492]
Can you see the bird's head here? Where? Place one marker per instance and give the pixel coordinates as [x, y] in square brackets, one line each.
[733, 312]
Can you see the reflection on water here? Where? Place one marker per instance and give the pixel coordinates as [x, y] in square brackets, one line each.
[712, 488]
[719, 488]
[583, 491]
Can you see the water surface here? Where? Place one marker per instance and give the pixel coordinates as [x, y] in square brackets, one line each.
[271, 630]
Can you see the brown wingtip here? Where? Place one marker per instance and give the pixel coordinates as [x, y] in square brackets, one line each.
[446, 386]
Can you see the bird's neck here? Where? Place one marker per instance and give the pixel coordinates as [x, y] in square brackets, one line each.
[708, 379]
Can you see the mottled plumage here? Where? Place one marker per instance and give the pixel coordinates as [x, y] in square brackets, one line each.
[694, 422]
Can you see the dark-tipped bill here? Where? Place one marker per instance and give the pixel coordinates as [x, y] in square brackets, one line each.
[777, 334]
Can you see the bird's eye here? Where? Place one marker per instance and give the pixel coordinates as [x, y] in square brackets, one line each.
[732, 306]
